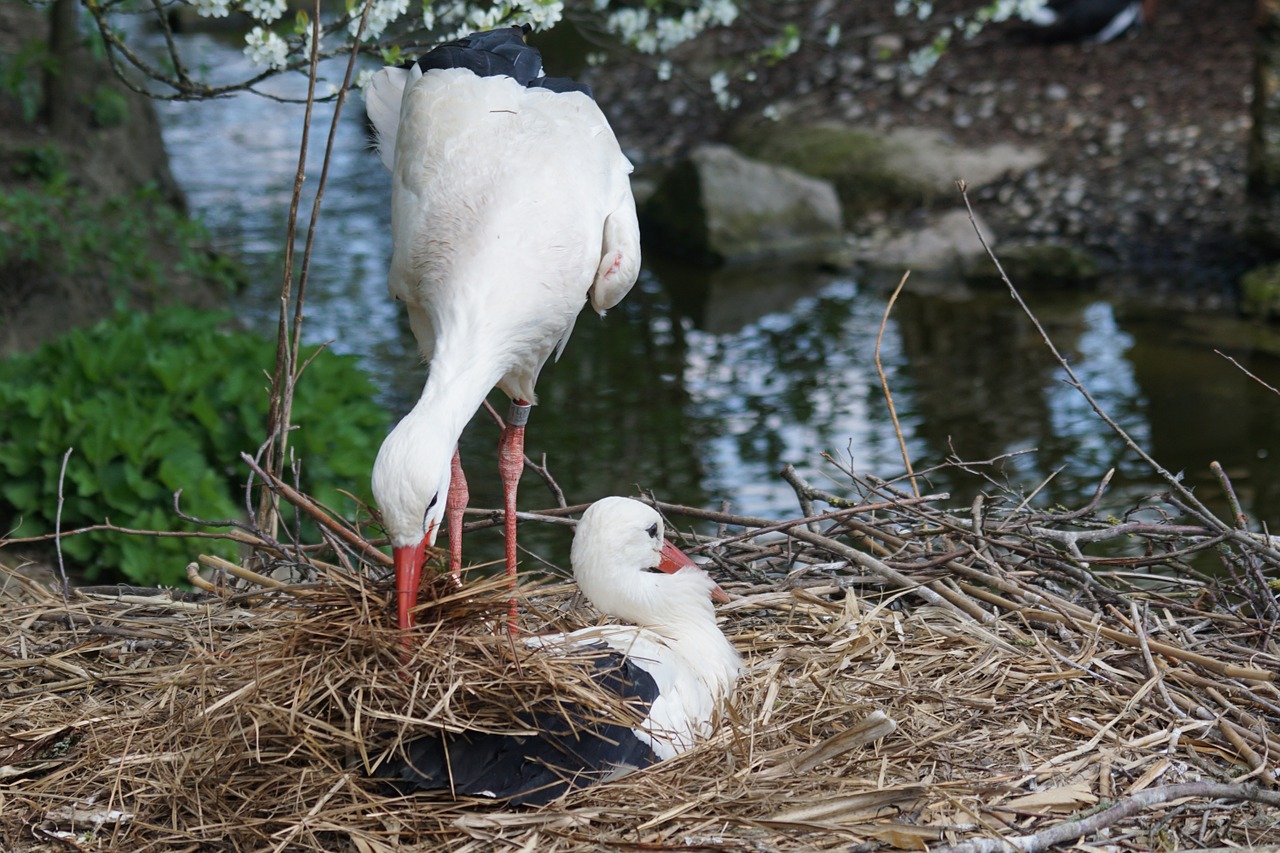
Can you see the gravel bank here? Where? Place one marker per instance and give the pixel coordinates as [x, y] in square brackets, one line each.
[1145, 137]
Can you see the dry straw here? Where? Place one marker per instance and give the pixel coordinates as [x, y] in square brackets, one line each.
[916, 678]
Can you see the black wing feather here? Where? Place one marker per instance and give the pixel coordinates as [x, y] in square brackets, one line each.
[572, 748]
[498, 53]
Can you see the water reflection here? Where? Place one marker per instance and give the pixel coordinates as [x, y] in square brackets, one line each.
[700, 386]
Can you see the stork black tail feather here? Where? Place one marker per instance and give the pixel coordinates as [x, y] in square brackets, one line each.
[568, 750]
[495, 53]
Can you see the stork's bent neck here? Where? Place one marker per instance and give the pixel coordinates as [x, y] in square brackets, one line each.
[415, 462]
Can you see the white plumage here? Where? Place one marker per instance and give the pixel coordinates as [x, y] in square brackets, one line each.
[511, 207]
[674, 637]
[674, 663]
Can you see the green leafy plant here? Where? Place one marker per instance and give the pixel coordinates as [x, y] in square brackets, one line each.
[154, 404]
[109, 106]
[20, 74]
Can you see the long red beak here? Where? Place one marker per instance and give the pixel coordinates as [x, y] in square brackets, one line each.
[408, 577]
[673, 560]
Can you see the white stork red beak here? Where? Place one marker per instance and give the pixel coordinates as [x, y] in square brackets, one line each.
[673, 560]
[408, 562]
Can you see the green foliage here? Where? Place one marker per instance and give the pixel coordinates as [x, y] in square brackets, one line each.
[42, 163]
[70, 232]
[154, 404]
[109, 107]
[20, 75]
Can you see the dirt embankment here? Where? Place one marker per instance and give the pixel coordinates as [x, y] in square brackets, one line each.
[61, 188]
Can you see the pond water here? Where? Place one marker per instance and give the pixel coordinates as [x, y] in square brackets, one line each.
[701, 385]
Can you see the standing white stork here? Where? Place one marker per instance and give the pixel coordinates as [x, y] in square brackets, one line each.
[673, 668]
[511, 206]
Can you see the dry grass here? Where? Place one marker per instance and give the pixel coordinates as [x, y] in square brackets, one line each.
[1015, 690]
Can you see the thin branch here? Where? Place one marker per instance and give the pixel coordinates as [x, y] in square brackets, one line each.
[318, 515]
[1070, 830]
[1246, 372]
[1174, 482]
[884, 384]
[57, 526]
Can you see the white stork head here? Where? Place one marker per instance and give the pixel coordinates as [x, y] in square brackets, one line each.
[624, 565]
[411, 484]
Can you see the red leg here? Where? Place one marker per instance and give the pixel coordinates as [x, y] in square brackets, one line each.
[455, 503]
[510, 466]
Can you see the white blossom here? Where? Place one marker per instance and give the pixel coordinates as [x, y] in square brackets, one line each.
[627, 22]
[833, 35]
[720, 12]
[485, 19]
[542, 14]
[772, 112]
[264, 47]
[307, 35]
[654, 34]
[266, 11]
[921, 61]
[381, 14]
[664, 70]
[720, 88]
[364, 78]
[212, 8]
[789, 43]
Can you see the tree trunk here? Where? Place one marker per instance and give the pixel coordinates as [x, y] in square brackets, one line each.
[64, 41]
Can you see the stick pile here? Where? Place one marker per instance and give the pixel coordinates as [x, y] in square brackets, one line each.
[918, 678]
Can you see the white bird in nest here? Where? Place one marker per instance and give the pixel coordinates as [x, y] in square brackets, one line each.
[511, 207]
[673, 668]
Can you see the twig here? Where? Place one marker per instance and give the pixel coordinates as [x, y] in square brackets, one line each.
[1174, 482]
[1246, 372]
[215, 562]
[288, 343]
[884, 384]
[318, 515]
[1061, 833]
[57, 527]
[1044, 616]
[1140, 630]
[544, 471]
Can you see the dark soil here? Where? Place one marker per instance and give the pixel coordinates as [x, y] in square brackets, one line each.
[1145, 137]
[37, 300]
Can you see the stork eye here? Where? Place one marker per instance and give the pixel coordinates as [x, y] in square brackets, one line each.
[653, 530]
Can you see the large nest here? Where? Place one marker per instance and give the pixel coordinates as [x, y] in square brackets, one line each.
[916, 677]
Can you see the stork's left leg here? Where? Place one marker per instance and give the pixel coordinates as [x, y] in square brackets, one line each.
[510, 467]
[454, 504]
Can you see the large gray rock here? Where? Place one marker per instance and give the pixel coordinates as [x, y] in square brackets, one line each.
[719, 206]
[877, 172]
[937, 162]
[941, 243]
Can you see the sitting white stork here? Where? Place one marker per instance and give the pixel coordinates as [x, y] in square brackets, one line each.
[673, 668]
[511, 206]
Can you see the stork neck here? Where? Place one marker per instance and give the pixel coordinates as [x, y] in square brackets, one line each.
[411, 474]
[452, 394]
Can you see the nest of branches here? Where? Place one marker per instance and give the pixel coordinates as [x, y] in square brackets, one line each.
[917, 678]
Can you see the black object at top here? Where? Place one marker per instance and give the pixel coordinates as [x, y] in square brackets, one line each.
[498, 53]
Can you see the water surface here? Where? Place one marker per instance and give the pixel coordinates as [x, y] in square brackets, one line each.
[700, 386]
